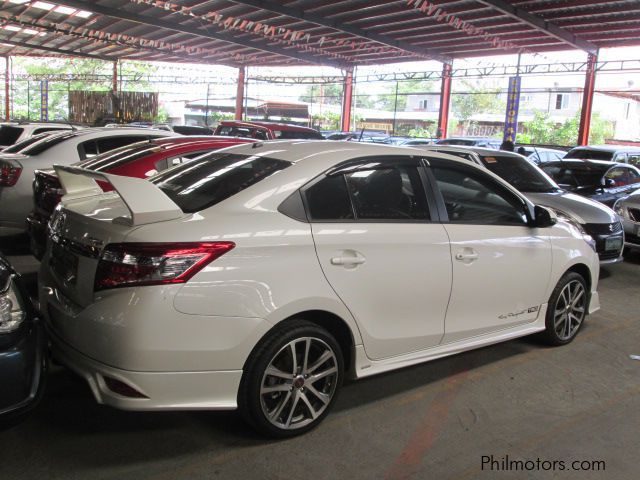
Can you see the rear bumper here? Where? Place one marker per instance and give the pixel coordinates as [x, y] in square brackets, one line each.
[207, 390]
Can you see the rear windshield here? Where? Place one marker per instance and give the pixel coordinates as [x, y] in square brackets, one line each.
[47, 142]
[297, 135]
[576, 175]
[25, 143]
[519, 173]
[213, 178]
[586, 154]
[119, 156]
[456, 141]
[9, 134]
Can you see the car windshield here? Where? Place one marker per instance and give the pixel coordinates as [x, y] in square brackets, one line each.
[589, 154]
[520, 173]
[213, 178]
[576, 175]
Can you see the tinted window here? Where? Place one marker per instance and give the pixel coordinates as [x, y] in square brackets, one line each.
[519, 173]
[49, 129]
[25, 143]
[388, 194]
[297, 135]
[473, 198]
[588, 154]
[118, 157]
[233, 132]
[9, 134]
[634, 159]
[328, 199]
[582, 175]
[47, 142]
[199, 184]
[109, 143]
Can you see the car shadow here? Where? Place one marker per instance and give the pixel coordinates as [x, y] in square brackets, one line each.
[69, 414]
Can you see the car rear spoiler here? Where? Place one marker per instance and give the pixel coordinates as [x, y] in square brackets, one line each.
[146, 202]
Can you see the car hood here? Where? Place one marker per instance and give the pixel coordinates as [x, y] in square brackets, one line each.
[584, 210]
[632, 200]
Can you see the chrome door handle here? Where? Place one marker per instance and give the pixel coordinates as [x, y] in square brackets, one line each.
[467, 255]
[347, 260]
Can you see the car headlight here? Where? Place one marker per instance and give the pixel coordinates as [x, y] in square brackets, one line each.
[12, 312]
[571, 220]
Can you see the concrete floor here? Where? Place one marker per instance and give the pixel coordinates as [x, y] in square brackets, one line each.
[518, 399]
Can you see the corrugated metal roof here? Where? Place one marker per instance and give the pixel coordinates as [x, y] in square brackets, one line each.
[305, 32]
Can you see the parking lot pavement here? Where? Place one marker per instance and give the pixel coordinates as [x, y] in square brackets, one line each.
[448, 419]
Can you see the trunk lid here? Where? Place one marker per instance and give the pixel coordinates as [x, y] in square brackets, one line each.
[87, 220]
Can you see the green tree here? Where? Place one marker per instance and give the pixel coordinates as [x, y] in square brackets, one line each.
[387, 101]
[26, 99]
[476, 99]
[328, 94]
[543, 130]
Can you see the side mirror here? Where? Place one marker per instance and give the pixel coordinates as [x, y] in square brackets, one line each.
[608, 182]
[543, 217]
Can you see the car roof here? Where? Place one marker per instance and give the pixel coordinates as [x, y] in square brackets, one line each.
[268, 125]
[575, 162]
[608, 148]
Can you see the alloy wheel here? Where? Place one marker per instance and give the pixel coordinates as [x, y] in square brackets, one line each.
[299, 383]
[570, 310]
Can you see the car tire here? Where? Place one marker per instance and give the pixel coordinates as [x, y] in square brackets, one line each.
[566, 310]
[282, 395]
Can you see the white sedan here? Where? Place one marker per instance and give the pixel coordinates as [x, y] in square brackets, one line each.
[17, 168]
[259, 276]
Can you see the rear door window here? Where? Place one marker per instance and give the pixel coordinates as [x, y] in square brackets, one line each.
[206, 181]
[10, 134]
[382, 192]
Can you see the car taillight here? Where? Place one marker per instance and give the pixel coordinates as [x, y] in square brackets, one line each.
[137, 264]
[9, 174]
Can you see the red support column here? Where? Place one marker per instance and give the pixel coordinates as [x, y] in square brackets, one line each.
[587, 100]
[7, 89]
[114, 80]
[445, 101]
[347, 99]
[240, 93]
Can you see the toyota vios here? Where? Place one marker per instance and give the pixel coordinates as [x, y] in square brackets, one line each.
[258, 277]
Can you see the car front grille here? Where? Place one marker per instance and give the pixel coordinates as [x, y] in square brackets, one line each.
[603, 228]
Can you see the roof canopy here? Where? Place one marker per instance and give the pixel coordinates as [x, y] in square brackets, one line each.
[311, 32]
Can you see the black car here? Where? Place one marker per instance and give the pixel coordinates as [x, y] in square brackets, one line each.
[599, 180]
[23, 361]
[611, 153]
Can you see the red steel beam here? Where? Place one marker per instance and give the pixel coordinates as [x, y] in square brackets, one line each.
[347, 99]
[240, 93]
[445, 101]
[7, 88]
[587, 100]
[114, 80]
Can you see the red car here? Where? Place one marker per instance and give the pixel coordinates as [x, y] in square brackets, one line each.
[140, 160]
[266, 131]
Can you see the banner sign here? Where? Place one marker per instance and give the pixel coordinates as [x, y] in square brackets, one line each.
[513, 103]
[44, 101]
